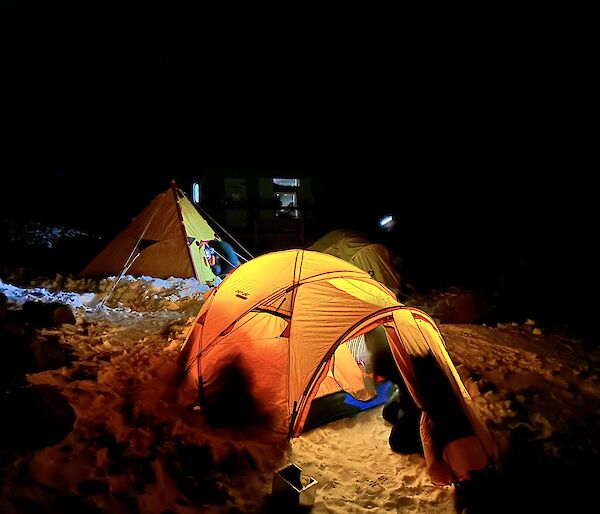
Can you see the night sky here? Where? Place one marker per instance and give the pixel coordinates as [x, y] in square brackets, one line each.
[481, 136]
[498, 110]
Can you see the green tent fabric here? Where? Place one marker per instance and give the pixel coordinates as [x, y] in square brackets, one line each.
[353, 247]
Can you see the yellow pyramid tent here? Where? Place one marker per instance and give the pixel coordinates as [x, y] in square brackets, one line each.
[353, 247]
[273, 329]
[167, 239]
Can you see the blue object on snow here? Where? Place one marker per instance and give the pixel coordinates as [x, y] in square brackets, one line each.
[383, 395]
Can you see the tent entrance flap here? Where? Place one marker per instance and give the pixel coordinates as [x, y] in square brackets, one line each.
[349, 386]
[346, 372]
[454, 442]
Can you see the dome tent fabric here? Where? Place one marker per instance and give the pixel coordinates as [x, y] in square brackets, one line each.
[278, 321]
[165, 240]
[374, 258]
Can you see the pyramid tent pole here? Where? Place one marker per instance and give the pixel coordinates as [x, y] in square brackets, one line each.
[241, 256]
[183, 232]
[224, 258]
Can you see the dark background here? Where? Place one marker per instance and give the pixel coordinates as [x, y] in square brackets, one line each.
[478, 131]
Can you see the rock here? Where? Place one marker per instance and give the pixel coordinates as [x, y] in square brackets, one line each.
[463, 372]
[35, 418]
[458, 308]
[169, 305]
[63, 315]
[472, 388]
[47, 315]
[48, 353]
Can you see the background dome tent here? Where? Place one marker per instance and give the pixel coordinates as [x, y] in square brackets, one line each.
[167, 239]
[279, 320]
[353, 247]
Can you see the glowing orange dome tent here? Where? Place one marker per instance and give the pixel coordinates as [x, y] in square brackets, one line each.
[280, 319]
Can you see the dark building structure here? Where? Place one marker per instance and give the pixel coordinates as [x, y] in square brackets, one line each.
[266, 209]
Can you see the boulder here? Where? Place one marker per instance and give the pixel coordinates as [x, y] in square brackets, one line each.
[47, 315]
[462, 307]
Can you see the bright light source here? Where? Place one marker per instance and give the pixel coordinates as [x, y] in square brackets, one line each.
[196, 192]
[286, 182]
[385, 221]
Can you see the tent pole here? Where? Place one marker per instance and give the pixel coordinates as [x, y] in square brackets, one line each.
[128, 264]
[122, 274]
[241, 256]
[224, 258]
[183, 232]
[225, 231]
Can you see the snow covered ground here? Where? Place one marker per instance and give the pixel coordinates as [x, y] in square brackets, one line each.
[132, 448]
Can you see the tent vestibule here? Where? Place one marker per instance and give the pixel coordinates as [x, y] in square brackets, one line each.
[278, 322]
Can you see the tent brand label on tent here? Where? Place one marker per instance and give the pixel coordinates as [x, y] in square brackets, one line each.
[242, 294]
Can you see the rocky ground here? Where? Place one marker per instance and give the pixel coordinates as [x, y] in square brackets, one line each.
[98, 427]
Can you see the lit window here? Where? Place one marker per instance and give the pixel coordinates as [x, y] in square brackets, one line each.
[287, 199]
[285, 191]
[286, 182]
[196, 192]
